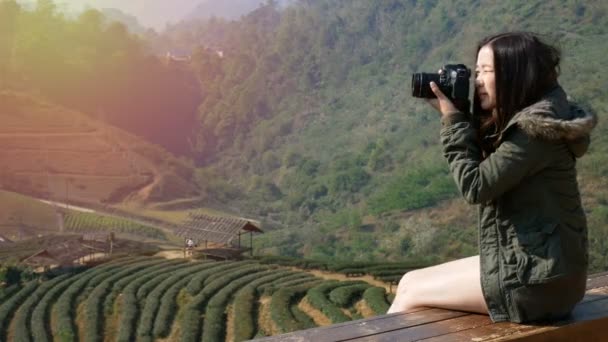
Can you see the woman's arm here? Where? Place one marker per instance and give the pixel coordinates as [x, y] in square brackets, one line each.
[518, 156]
[480, 181]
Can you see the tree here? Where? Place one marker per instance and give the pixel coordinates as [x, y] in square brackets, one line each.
[9, 12]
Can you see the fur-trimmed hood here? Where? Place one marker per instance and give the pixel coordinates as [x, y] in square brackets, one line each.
[556, 118]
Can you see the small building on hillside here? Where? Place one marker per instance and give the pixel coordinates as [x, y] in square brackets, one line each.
[220, 237]
[67, 253]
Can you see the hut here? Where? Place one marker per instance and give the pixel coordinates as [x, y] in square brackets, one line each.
[221, 236]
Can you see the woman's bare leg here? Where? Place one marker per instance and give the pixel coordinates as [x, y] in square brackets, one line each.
[453, 285]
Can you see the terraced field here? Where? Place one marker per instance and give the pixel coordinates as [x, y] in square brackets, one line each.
[22, 217]
[53, 152]
[156, 299]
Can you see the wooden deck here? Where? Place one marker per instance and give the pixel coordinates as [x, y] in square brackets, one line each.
[588, 322]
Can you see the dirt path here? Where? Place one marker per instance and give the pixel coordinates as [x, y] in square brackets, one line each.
[112, 322]
[265, 322]
[317, 316]
[346, 312]
[182, 298]
[53, 322]
[143, 193]
[364, 309]
[10, 334]
[172, 254]
[230, 323]
[79, 321]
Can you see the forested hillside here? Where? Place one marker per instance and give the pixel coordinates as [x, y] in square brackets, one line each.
[309, 114]
[302, 117]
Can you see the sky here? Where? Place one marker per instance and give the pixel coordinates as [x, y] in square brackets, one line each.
[150, 13]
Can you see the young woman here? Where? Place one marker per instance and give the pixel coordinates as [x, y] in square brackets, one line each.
[515, 158]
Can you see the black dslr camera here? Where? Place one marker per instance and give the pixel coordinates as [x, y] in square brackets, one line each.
[452, 79]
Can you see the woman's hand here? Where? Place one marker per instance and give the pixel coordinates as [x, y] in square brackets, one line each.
[442, 103]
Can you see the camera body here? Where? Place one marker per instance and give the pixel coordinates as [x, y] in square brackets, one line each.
[452, 79]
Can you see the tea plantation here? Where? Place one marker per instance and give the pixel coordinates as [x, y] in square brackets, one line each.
[138, 298]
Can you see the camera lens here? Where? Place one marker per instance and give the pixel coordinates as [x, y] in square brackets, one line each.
[416, 78]
[421, 84]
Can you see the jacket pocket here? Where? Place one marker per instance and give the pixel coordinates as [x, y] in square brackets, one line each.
[538, 301]
[539, 256]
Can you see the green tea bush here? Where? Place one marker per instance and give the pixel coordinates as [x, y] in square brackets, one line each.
[281, 302]
[153, 300]
[214, 324]
[317, 297]
[294, 280]
[344, 296]
[244, 305]
[40, 314]
[375, 297]
[168, 308]
[118, 286]
[8, 308]
[93, 309]
[21, 322]
[191, 319]
[64, 308]
[130, 303]
[197, 283]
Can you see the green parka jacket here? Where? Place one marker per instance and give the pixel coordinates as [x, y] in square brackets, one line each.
[532, 227]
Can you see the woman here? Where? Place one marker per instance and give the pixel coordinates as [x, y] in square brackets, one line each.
[515, 157]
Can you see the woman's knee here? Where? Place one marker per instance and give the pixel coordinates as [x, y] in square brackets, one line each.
[406, 290]
[405, 281]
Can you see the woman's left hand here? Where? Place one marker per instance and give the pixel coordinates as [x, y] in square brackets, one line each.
[442, 103]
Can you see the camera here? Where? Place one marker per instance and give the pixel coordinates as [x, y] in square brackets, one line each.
[452, 79]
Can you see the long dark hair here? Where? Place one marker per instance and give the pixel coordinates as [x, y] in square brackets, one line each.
[525, 69]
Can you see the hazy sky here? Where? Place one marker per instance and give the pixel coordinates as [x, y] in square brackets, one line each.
[150, 13]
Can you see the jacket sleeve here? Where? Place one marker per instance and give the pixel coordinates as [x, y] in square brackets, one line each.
[480, 181]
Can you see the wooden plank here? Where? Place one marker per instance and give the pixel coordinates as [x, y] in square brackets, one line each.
[348, 324]
[593, 307]
[433, 324]
[429, 330]
[368, 327]
[472, 321]
[590, 331]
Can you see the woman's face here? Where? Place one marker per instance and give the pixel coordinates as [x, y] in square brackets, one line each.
[484, 78]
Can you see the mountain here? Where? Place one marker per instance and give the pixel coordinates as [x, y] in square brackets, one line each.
[232, 9]
[151, 13]
[157, 14]
[228, 9]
